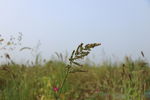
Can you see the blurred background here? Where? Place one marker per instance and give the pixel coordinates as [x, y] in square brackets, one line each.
[121, 26]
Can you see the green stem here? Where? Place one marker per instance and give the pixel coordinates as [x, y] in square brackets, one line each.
[65, 78]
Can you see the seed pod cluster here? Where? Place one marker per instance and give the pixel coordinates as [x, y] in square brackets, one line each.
[81, 52]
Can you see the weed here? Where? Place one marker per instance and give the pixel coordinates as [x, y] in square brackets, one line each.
[79, 53]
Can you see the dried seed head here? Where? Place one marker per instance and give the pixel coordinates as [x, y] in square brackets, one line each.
[130, 77]
[142, 53]
[1, 40]
[81, 52]
[79, 49]
[7, 56]
[8, 43]
[92, 45]
[24, 48]
[123, 65]
[77, 64]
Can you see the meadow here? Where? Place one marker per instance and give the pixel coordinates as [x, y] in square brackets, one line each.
[127, 81]
[57, 80]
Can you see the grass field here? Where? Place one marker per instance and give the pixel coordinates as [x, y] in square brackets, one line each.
[129, 80]
[56, 80]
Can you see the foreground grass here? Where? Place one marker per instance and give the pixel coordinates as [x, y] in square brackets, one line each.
[126, 81]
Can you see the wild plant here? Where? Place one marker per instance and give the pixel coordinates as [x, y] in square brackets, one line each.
[81, 52]
[8, 45]
[134, 79]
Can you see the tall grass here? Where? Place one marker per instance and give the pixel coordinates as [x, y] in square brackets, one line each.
[103, 82]
[128, 80]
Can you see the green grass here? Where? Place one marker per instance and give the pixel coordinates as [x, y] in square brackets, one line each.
[126, 81]
[55, 80]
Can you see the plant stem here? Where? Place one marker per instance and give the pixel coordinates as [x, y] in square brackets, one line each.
[65, 78]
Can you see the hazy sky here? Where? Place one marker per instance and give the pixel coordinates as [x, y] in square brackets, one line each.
[122, 26]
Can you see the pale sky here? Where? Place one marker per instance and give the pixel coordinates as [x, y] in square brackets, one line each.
[122, 26]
